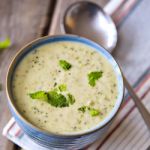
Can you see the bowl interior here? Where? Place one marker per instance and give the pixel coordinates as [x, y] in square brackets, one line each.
[50, 39]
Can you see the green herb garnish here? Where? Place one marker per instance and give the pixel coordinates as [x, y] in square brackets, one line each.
[64, 64]
[94, 76]
[57, 99]
[62, 87]
[5, 44]
[71, 98]
[54, 97]
[40, 95]
[93, 112]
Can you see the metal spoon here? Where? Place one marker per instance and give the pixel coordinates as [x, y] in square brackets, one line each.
[89, 20]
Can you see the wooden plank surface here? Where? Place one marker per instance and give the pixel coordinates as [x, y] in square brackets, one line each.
[22, 21]
[132, 51]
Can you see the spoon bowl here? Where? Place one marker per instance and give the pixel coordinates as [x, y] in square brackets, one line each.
[89, 20]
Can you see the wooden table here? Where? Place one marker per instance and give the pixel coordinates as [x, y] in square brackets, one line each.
[25, 20]
[22, 21]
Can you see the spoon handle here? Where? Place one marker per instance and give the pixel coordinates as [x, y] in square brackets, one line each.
[112, 6]
[144, 112]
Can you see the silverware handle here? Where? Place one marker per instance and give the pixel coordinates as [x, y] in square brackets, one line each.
[144, 112]
[112, 6]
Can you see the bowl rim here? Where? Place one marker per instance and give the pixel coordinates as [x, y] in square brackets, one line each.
[36, 128]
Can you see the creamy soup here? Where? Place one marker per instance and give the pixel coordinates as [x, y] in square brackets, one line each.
[65, 87]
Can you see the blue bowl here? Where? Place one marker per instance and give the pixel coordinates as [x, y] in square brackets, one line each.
[72, 140]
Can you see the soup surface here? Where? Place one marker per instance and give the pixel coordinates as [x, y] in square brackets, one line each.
[65, 87]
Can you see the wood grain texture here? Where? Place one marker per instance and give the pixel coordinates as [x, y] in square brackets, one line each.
[22, 21]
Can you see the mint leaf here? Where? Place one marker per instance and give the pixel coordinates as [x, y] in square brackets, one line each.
[94, 112]
[62, 87]
[57, 99]
[41, 95]
[5, 44]
[64, 64]
[94, 76]
[71, 98]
